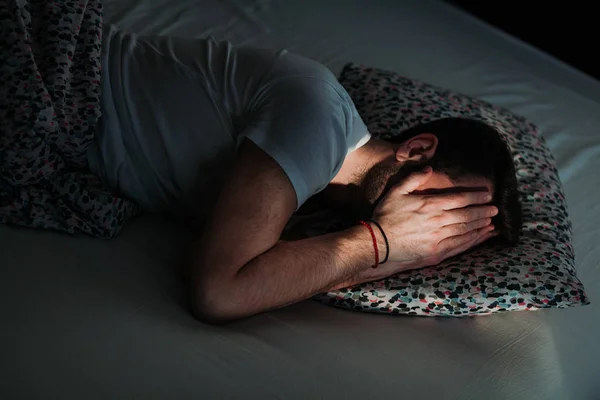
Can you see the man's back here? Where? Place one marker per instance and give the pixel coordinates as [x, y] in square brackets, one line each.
[175, 111]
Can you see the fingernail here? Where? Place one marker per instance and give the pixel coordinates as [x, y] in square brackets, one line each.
[491, 228]
[427, 169]
[495, 211]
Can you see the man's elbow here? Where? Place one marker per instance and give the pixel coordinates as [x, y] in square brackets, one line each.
[212, 306]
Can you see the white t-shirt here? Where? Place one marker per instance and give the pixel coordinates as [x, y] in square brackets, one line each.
[176, 109]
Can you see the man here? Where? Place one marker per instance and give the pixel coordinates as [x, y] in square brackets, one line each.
[242, 138]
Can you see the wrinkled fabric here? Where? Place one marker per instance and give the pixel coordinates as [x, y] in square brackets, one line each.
[49, 107]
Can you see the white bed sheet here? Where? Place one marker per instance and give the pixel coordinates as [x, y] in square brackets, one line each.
[83, 318]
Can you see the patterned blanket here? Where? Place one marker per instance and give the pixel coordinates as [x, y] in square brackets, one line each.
[50, 72]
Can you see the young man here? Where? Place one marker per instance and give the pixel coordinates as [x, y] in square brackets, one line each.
[242, 138]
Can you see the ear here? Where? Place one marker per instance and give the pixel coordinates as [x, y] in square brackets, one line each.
[418, 148]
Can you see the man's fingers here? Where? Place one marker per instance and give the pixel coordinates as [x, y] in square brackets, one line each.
[414, 180]
[457, 200]
[464, 227]
[467, 215]
[469, 245]
[463, 240]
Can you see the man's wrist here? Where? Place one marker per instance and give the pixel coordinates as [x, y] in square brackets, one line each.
[382, 242]
[358, 242]
[364, 241]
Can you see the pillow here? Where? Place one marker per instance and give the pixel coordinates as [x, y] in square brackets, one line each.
[537, 273]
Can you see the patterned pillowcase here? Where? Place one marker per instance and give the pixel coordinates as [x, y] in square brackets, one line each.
[537, 273]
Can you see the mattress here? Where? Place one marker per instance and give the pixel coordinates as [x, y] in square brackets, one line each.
[85, 318]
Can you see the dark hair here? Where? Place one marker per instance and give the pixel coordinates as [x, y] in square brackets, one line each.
[470, 148]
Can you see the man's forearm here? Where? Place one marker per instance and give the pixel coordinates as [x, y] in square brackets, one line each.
[290, 272]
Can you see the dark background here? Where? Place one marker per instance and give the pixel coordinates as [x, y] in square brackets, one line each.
[556, 29]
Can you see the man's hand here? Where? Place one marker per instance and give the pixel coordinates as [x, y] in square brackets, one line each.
[424, 230]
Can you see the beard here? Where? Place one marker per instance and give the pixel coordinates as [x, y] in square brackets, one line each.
[359, 199]
[378, 181]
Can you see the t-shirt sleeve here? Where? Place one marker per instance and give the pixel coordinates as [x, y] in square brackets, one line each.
[305, 125]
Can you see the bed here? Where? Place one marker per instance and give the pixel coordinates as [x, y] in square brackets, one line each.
[87, 318]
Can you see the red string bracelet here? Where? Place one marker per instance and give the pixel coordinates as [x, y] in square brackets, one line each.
[374, 242]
